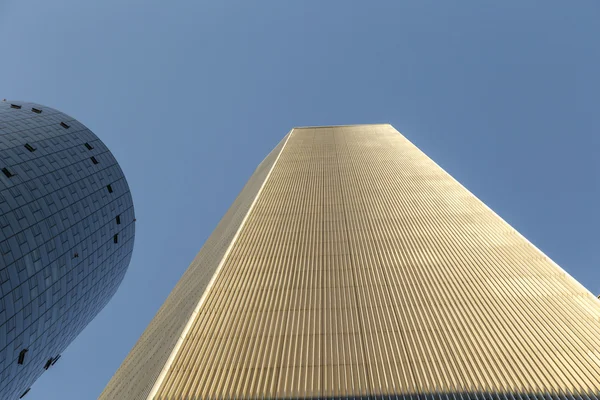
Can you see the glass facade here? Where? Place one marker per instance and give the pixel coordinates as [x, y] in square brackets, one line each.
[65, 239]
[357, 268]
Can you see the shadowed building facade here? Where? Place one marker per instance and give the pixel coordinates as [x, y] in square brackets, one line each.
[352, 266]
[66, 237]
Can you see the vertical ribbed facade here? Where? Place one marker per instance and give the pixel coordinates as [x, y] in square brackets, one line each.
[66, 237]
[363, 270]
[138, 373]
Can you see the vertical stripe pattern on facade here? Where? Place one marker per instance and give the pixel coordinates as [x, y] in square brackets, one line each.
[138, 373]
[366, 271]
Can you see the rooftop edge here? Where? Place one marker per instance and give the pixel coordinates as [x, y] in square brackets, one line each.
[336, 126]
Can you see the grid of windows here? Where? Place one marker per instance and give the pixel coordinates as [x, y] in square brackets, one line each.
[59, 264]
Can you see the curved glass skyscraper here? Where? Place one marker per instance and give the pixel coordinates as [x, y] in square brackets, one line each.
[66, 237]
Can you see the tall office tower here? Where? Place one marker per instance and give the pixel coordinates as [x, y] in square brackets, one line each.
[352, 266]
[66, 237]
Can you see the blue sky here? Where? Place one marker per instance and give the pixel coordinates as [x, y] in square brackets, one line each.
[191, 95]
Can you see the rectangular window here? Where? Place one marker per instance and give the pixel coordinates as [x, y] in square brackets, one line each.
[118, 220]
[65, 125]
[21, 359]
[18, 107]
[55, 359]
[110, 189]
[24, 393]
[88, 146]
[36, 110]
[116, 238]
[7, 172]
[30, 147]
[94, 160]
[48, 363]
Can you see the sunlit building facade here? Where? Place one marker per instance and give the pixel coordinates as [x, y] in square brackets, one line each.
[353, 266]
[66, 237]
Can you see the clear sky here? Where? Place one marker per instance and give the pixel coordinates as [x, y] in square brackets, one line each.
[191, 95]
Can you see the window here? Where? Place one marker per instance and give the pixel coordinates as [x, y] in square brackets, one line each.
[55, 359]
[24, 393]
[88, 146]
[30, 147]
[65, 125]
[18, 107]
[94, 160]
[22, 356]
[116, 238]
[110, 189]
[48, 363]
[36, 110]
[7, 172]
[118, 220]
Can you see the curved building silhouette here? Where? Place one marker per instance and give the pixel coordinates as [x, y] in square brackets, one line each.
[66, 237]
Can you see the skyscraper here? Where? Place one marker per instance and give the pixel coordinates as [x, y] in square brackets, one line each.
[66, 237]
[352, 266]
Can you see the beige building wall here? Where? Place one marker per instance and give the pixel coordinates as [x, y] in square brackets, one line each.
[361, 268]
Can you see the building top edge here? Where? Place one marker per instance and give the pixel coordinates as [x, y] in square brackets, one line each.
[336, 126]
